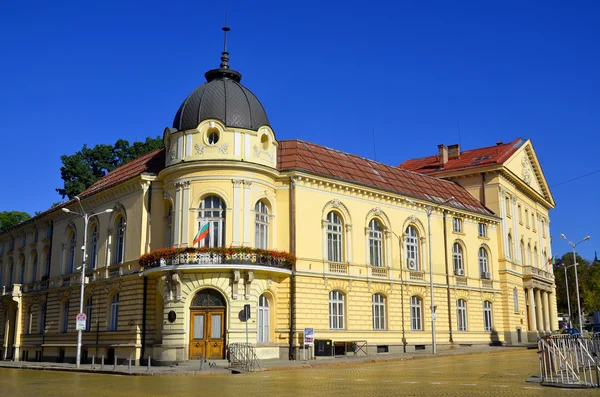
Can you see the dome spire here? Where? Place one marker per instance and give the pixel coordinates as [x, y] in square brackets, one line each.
[225, 54]
[224, 72]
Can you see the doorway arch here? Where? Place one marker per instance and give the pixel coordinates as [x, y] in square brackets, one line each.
[207, 325]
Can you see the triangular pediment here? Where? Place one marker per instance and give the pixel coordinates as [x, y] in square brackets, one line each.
[524, 165]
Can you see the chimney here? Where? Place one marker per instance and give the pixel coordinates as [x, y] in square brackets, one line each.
[443, 154]
[499, 143]
[454, 151]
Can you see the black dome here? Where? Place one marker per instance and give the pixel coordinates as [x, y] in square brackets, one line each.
[222, 97]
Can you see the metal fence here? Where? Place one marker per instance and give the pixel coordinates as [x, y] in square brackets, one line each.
[569, 360]
[242, 356]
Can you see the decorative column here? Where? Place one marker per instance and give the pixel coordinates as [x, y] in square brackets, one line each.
[349, 243]
[546, 308]
[185, 214]
[177, 215]
[540, 237]
[538, 310]
[388, 248]
[517, 251]
[532, 322]
[237, 206]
[553, 322]
[504, 222]
[247, 212]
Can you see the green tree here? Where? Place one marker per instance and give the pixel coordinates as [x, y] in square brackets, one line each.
[82, 169]
[9, 219]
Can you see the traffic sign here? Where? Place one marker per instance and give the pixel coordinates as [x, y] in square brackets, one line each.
[80, 320]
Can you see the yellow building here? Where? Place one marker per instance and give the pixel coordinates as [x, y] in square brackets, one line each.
[225, 216]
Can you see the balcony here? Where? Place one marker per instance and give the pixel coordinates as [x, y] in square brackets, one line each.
[534, 272]
[416, 275]
[378, 271]
[217, 256]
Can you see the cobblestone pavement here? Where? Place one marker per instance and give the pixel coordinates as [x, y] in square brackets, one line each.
[493, 374]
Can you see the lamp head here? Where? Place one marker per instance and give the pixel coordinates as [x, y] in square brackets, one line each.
[77, 198]
[109, 210]
[449, 199]
[586, 238]
[563, 236]
[65, 209]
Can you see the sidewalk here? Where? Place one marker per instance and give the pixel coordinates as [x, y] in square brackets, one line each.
[220, 367]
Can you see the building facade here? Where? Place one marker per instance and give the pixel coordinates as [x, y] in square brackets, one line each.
[225, 215]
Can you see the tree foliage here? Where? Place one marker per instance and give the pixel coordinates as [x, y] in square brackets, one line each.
[82, 169]
[9, 219]
[588, 275]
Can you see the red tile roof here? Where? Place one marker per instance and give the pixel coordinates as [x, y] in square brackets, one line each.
[473, 158]
[314, 159]
[151, 162]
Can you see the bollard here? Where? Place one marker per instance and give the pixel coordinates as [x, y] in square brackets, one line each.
[102, 363]
[115, 367]
[148, 364]
[129, 365]
[201, 362]
[93, 361]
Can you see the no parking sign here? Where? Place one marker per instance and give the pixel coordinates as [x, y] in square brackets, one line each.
[80, 322]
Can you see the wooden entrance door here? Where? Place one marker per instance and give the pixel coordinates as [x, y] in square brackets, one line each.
[207, 333]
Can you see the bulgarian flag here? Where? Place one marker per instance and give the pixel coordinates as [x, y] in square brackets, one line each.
[202, 233]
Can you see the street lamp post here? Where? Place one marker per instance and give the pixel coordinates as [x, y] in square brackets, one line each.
[86, 217]
[576, 277]
[401, 290]
[428, 211]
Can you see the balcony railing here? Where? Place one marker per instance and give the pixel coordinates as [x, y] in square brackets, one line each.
[416, 276]
[337, 268]
[378, 271]
[536, 272]
[217, 256]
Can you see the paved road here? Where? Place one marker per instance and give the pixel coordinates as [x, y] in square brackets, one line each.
[494, 374]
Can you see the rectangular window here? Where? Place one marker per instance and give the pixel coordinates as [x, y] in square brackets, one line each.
[36, 235]
[487, 316]
[461, 314]
[416, 320]
[114, 313]
[65, 317]
[520, 213]
[457, 225]
[24, 242]
[215, 322]
[336, 310]
[198, 326]
[88, 313]
[526, 217]
[507, 202]
[482, 230]
[516, 300]
[378, 312]
[43, 319]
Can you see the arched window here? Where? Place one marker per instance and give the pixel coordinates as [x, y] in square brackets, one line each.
[461, 314]
[457, 259]
[88, 313]
[487, 316]
[375, 243]
[378, 312]
[120, 240]
[509, 254]
[71, 253]
[516, 300]
[264, 319]
[65, 317]
[22, 267]
[411, 247]
[211, 223]
[416, 317]
[94, 247]
[334, 237]
[523, 257]
[483, 263]
[535, 257]
[336, 310]
[114, 313]
[34, 267]
[28, 320]
[261, 225]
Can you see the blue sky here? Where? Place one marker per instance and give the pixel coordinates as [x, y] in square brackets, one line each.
[326, 72]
